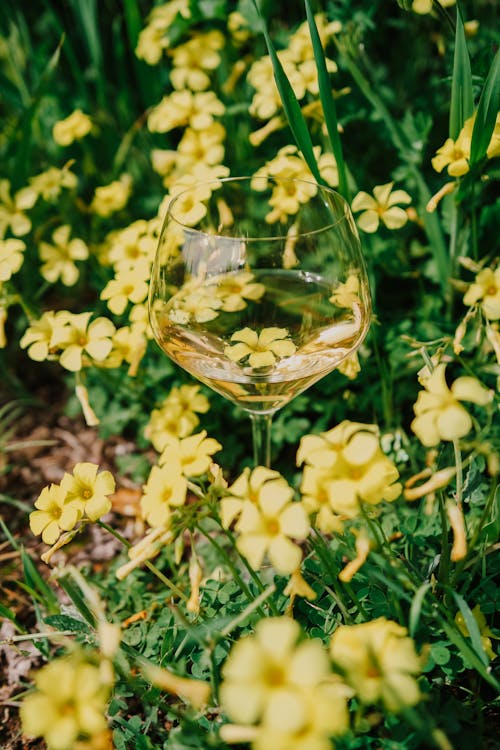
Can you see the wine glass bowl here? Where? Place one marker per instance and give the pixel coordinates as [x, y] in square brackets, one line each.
[259, 287]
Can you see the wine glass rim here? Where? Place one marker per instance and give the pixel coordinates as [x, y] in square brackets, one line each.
[268, 178]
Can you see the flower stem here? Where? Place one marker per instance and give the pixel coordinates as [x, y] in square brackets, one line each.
[261, 436]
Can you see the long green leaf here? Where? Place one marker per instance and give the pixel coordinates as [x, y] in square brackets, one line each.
[291, 105]
[487, 111]
[472, 627]
[416, 608]
[468, 653]
[462, 103]
[35, 582]
[328, 102]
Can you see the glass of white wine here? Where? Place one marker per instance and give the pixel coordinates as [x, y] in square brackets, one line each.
[258, 290]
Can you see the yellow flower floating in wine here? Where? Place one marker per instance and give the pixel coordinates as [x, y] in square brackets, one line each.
[262, 349]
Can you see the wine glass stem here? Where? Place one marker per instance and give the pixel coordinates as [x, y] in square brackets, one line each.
[261, 434]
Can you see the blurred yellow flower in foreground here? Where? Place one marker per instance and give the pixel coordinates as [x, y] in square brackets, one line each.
[285, 685]
[74, 127]
[381, 207]
[439, 415]
[262, 349]
[378, 660]
[69, 703]
[485, 290]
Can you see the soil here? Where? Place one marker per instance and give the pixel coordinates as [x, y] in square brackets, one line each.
[41, 445]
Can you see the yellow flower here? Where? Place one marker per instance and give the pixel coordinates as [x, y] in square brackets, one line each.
[153, 39]
[381, 207]
[193, 454]
[206, 146]
[345, 466]
[193, 58]
[58, 258]
[55, 513]
[182, 108]
[268, 526]
[165, 489]
[74, 127]
[11, 257]
[189, 207]
[90, 488]
[12, 209]
[79, 337]
[176, 417]
[136, 243]
[455, 154]
[168, 422]
[426, 6]
[266, 100]
[69, 703]
[129, 345]
[485, 290]
[379, 662]
[249, 487]
[49, 184]
[113, 197]
[262, 349]
[129, 285]
[38, 336]
[283, 683]
[439, 415]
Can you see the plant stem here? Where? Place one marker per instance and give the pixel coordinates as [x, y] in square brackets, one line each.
[261, 436]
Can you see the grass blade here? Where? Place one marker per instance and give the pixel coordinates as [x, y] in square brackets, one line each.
[291, 105]
[462, 103]
[327, 102]
[472, 627]
[487, 111]
[416, 608]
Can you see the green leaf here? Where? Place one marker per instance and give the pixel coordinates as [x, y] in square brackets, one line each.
[416, 608]
[328, 102]
[36, 583]
[76, 597]
[472, 627]
[468, 653]
[487, 111]
[291, 106]
[462, 104]
[65, 622]
[8, 614]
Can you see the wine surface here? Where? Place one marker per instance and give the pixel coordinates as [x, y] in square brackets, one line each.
[262, 341]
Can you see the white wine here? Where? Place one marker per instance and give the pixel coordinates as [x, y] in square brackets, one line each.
[199, 330]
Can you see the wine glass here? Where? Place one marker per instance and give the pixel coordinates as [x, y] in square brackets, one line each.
[258, 290]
